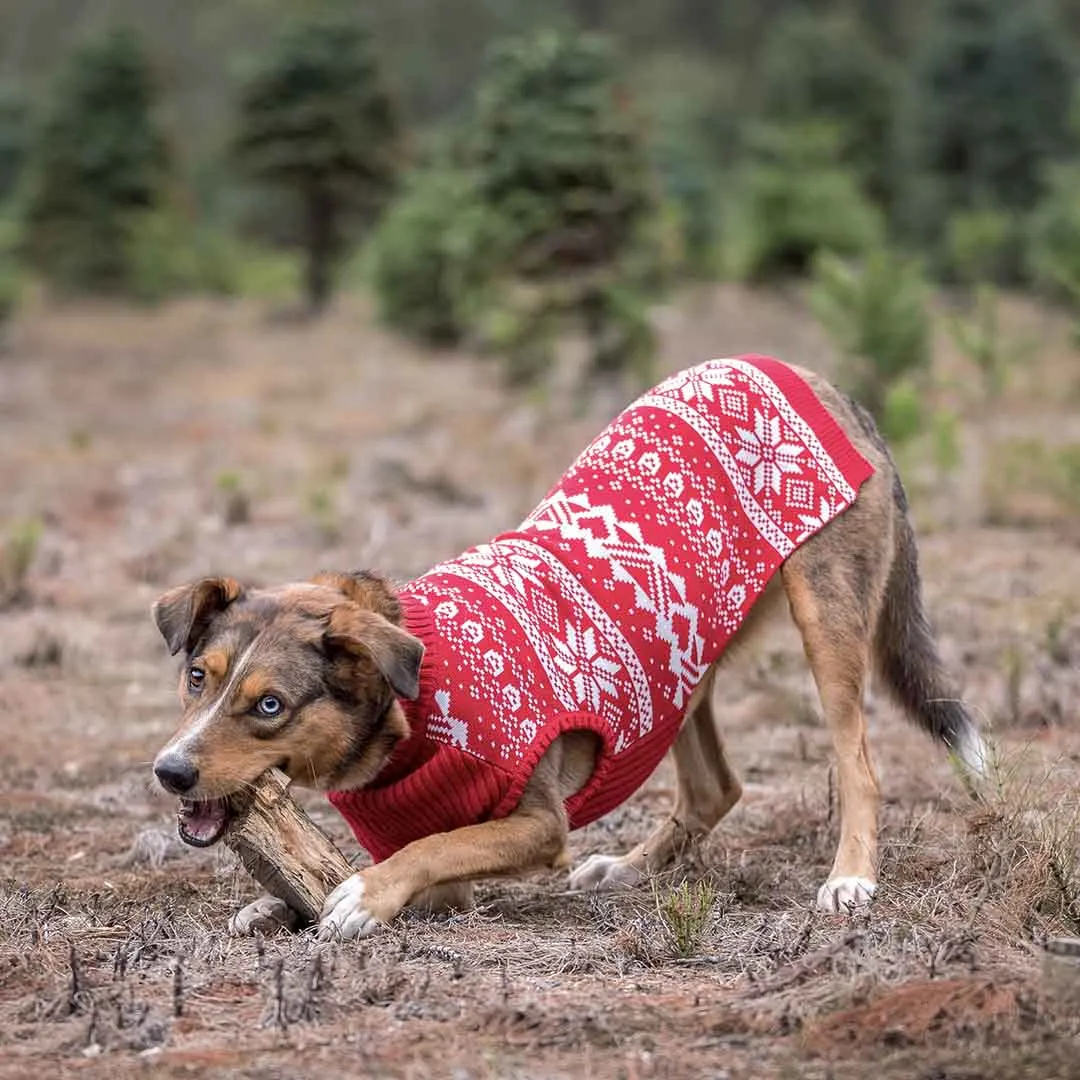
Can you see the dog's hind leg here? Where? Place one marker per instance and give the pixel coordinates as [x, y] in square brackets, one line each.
[835, 616]
[707, 789]
[855, 594]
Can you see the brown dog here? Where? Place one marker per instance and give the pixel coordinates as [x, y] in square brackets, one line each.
[318, 678]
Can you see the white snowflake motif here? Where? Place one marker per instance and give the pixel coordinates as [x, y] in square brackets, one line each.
[454, 730]
[472, 631]
[700, 383]
[764, 451]
[590, 673]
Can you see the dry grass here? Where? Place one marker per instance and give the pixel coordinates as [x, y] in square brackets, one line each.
[349, 449]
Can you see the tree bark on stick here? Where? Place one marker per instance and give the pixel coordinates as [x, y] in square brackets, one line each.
[282, 848]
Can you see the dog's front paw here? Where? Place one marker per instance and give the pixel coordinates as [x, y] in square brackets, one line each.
[347, 913]
[266, 916]
[845, 895]
[604, 872]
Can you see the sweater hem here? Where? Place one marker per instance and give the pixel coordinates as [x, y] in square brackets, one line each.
[559, 725]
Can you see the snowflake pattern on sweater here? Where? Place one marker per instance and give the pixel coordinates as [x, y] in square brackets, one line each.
[605, 608]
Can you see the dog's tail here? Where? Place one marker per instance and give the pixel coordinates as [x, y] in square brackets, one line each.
[907, 657]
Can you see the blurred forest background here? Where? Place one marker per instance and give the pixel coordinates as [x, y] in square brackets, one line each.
[495, 173]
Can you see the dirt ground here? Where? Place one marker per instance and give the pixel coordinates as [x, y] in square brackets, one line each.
[139, 449]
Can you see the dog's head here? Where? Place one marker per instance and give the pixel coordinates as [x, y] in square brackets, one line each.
[305, 677]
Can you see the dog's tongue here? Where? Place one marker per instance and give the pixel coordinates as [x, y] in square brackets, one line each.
[202, 823]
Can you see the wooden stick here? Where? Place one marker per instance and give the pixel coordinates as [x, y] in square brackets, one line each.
[282, 848]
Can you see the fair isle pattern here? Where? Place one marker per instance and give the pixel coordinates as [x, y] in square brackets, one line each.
[605, 608]
[617, 593]
[806, 434]
[657, 589]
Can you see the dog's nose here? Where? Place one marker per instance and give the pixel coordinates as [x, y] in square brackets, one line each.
[175, 773]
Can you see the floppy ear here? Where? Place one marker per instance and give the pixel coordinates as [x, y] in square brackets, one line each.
[396, 653]
[184, 613]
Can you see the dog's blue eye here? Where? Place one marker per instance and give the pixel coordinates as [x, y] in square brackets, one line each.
[196, 678]
[269, 706]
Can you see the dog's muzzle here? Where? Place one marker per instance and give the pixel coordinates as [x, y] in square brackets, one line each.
[199, 822]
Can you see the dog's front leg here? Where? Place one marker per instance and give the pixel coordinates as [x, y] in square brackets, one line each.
[532, 837]
[526, 840]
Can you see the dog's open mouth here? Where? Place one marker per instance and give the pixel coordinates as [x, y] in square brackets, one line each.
[202, 823]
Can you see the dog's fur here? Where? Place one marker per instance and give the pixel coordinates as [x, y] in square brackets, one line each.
[333, 651]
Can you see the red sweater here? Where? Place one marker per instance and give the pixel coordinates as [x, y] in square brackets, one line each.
[606, 607]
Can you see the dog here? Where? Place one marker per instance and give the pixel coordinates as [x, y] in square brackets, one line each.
[465, 722]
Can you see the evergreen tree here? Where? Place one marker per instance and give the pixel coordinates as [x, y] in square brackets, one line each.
[539, 210]
[96, 158]
[560, 162]
[317, 123]
[790, 199]
[14, 133]
[826, 68]
[558, 151]
[990, 92]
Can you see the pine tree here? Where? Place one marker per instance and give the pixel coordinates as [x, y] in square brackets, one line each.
[826, 68]
[557, 149]
[317, 123]
[96, 158]
[560, 160]
[989, 106]
[14, 133]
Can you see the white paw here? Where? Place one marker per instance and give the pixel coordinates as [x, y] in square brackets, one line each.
[344, 916]
[604, 872]
[843, 895]
[267, 915]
